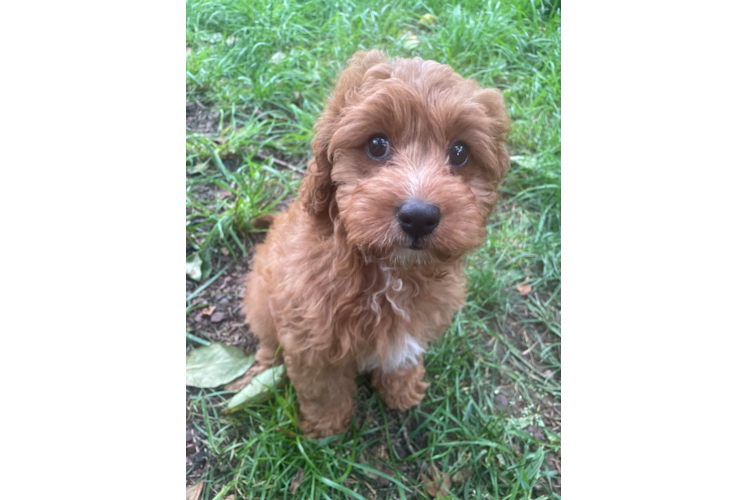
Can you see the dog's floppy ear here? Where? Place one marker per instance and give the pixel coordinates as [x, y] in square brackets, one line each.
[493, 102]
[317, 190]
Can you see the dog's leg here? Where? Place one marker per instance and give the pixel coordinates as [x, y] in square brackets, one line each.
[403, 388]
[325, 396]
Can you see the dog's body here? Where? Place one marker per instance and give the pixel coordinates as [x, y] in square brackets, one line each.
[366, 267]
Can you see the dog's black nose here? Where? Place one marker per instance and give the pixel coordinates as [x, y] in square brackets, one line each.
[418, 218]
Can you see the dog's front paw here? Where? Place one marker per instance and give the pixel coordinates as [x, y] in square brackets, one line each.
[401, 389]
[319, 430]
[408, 398]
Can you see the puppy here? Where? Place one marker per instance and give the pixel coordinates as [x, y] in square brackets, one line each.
[366, 267]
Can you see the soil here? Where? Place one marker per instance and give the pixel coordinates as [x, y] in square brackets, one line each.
[201, 118]
[197, 453]
[221, 318]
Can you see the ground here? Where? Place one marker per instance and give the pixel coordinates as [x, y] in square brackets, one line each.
[257, 75]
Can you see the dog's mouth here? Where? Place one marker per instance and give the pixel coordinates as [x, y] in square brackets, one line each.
[417, 252]
[417, 244]
[409, 257]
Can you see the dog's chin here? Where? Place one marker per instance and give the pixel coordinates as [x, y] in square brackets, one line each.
[408, 253]
[411, 257]
[420, 255]
[401, 251]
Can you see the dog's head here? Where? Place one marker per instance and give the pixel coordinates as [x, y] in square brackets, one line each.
[408, 156]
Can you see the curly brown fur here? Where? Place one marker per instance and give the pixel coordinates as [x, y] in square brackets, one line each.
[338, 285]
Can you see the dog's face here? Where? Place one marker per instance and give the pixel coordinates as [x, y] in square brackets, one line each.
[408, 157]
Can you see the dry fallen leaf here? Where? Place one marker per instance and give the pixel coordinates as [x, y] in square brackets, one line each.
[427, 19]
[524, 289]
[260, 388]
[383, 481]
[199, 167]
[224, 250]
[381, 452]
[438, 485]
[411, 41]
[503, 402]
[277, 58]
[207, 311]
[216, 364]
[296, 481]
[376, 466]
[193, 492]
[217, 317]
[194, 267]
[461, 476]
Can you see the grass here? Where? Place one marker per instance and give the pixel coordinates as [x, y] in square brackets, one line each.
[257, 76]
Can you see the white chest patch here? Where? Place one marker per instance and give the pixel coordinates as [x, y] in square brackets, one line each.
[399, 356]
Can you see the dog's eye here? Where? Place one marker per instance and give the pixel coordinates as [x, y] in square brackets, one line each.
[378, 147]
[458, 154]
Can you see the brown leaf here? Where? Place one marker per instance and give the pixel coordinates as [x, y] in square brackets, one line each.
[296, 481]
[224, 250]
[217, 317]
[385, 470]
[503, 402]
[376, 477]
[524, 289]
[461, 476]
[438, 485]
[426, 482]
[381, 452]
[207, 311]
[223, 193]
[193, 492]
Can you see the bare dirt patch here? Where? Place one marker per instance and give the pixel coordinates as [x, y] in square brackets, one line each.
[201, 118]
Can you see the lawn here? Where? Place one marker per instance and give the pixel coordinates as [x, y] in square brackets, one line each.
[258, 73]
